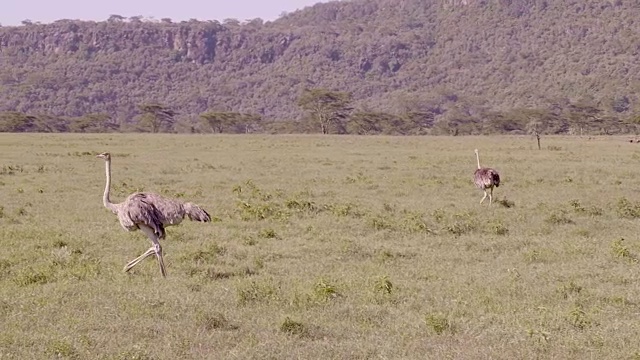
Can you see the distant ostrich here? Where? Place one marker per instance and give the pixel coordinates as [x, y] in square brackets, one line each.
[485, 178]
[150, 213]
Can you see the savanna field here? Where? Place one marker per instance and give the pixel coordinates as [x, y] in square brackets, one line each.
[322, 247]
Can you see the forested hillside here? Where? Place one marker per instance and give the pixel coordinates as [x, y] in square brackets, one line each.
[385, 66]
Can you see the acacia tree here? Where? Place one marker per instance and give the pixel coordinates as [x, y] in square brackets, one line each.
[116, 18]
[234, 122]
[367, 122]
[327, 108]
[458, 121]
[583, 114]
[248, 122]
[419, 121]
[218, 121]
[93, 123]
[14, 121]
[156, 117]
[634, 121]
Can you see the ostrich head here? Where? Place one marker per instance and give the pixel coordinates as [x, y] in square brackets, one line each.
[105, 156]
[475, 151]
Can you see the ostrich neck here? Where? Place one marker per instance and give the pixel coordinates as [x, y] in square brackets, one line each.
[478, 159]
[105, 198]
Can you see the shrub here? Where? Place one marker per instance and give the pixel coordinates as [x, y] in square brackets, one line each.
[438, 323]
[324, 291]
[627, 209]
[256, 291]
[292, 327]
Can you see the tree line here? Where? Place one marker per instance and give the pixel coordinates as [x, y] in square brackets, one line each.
[332, 112]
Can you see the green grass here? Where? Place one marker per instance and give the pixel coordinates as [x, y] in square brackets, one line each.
[322, 247]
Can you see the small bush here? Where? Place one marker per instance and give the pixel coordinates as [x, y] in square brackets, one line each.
[532, 256]
[384, 255]
[380, 222]
[415, 223]
[358, 178]
[579, 318]
[383, 285]
[540, 336]
[256, 204]
[255, 291]
[259, 211]
[250, 241]
[627, 209]
[11, 169]
[60, 244]
[292, 327]
[594, 211]
[583, 233]
[301, 205]
[214, 274]
[214, 321]
[577, 207]
[209, 254]
[438, 323]
[83, 267]
[569, 289]
[458, 229]
[324, 291]
[268, 233]
[558, 218]
[62, 349]
[4, 264]
[461, 224]
[32, 276]
[620, 250]
[347, 209]
[438, 215]
[498, 228]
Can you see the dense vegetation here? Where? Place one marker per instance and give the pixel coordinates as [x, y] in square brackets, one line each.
[409, 67]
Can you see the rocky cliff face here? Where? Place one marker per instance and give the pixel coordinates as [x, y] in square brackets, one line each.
[66, 37]
[197, 42]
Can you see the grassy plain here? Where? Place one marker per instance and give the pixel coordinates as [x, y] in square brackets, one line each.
[323, 247]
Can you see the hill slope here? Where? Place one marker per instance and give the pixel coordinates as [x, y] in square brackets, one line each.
[440, 54]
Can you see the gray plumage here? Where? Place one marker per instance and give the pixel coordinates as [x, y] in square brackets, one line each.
[485, 179]
[150, 213]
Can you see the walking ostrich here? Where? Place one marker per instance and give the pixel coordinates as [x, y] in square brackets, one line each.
[485, 178]
[150, 213]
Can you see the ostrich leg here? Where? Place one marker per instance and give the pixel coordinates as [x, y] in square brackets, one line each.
[155, 249]
[484, 197]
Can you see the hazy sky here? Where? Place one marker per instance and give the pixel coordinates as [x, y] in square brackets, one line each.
[12, 12]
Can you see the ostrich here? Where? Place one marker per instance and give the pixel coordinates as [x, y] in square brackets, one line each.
[150, 213]
[485, 178]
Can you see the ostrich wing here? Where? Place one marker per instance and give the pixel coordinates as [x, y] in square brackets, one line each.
[139, 209]
[170, 211]
[486, 177]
